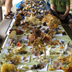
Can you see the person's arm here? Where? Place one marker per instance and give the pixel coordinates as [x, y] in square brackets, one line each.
[67, 11]
[52, 6]
[65, 14]
[67, 8]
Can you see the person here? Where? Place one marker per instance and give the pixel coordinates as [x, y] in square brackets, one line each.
[60, 9]
[8, 13]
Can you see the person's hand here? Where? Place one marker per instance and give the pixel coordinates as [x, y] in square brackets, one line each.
[62, 17]
[70, 25]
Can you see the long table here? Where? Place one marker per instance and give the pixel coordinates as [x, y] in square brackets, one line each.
[32, 62]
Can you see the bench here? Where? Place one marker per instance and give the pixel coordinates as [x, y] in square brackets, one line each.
[4, 25]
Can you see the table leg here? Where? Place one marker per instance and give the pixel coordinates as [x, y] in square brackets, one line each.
[1, 14]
